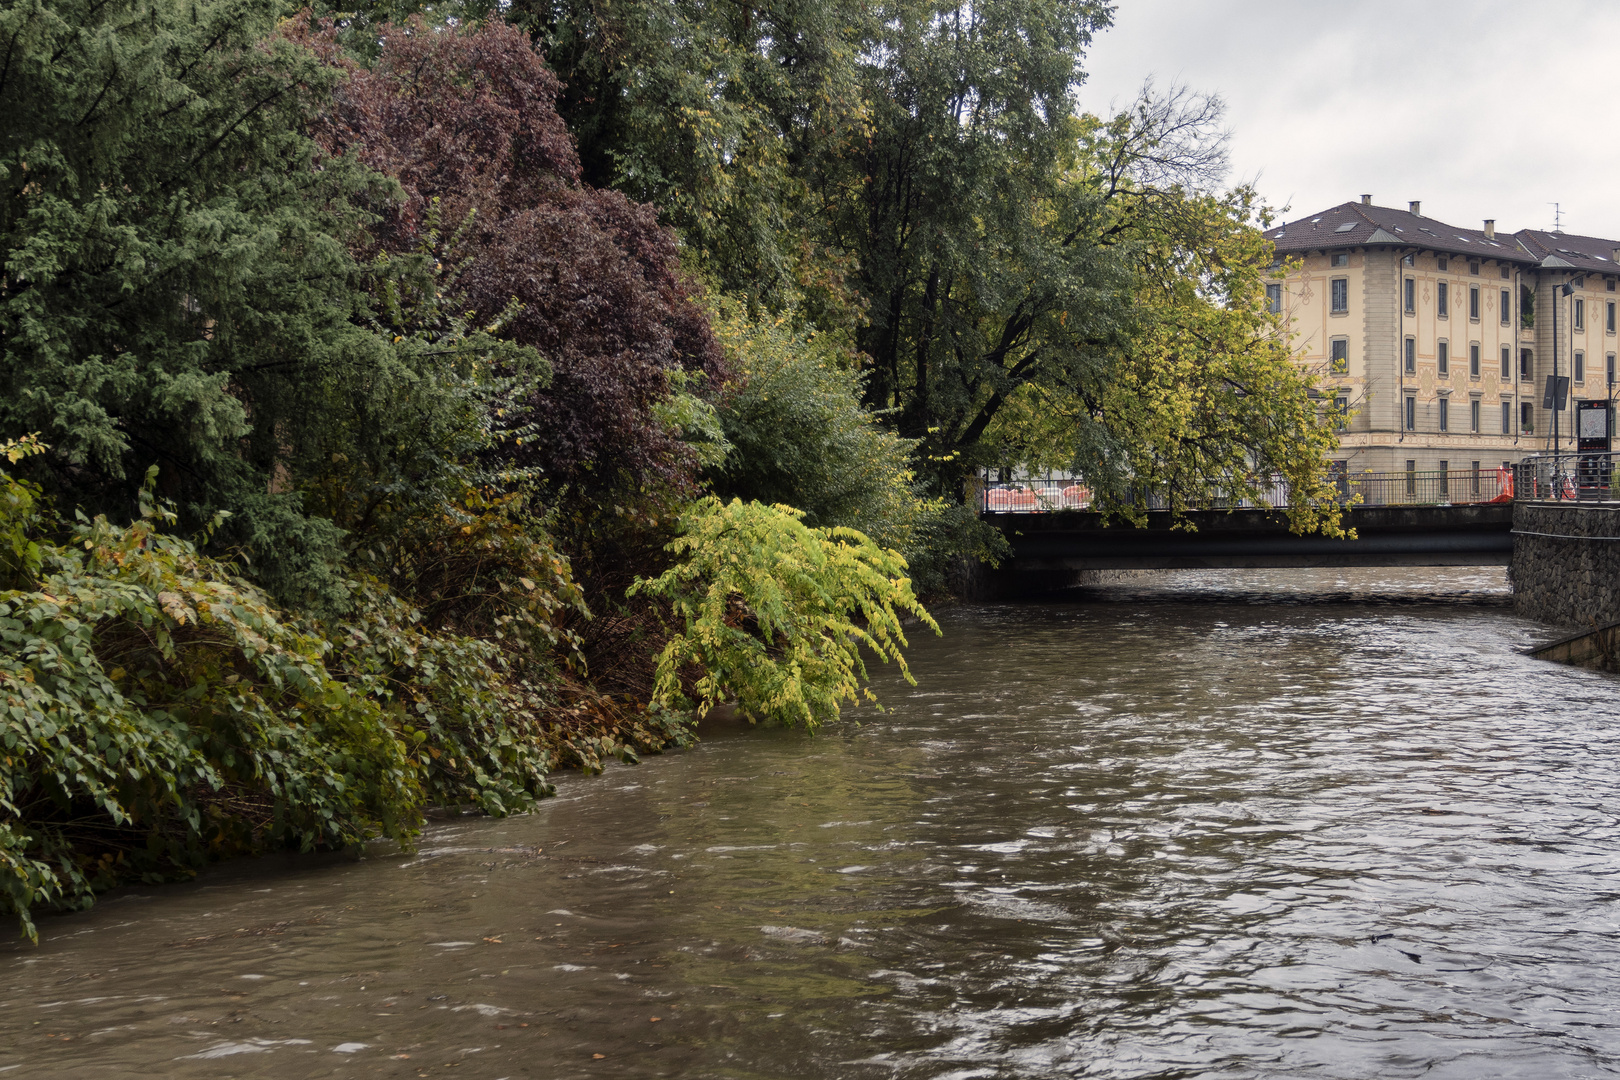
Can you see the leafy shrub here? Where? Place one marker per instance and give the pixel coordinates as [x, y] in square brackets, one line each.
[157, 711]
[800, 436]
[774, 613]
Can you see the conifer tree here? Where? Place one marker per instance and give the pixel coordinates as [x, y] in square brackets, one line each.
[177, 287]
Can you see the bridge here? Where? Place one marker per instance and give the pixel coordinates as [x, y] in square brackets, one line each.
[1455, 517]
[1476, 534]
[1554, 519]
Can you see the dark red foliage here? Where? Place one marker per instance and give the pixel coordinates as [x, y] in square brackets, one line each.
[470, 118]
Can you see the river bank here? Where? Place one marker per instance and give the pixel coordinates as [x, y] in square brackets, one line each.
[1125, 839]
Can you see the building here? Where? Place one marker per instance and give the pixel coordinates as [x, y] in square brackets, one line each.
[1436, 341]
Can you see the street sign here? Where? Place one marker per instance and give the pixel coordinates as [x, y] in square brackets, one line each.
[1592, 443]
[1557, 393]
[1592, 426]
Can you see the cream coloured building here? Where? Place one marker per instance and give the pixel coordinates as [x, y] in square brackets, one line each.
[1437, 340]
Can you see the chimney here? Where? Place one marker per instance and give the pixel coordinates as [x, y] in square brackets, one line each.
[1366, 200]
[1616, 254]
[1490, 228]
[1415, 207]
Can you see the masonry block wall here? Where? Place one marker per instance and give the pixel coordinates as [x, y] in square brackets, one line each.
[1566, 564]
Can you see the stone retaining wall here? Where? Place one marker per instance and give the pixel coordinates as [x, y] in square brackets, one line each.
[1566, 564]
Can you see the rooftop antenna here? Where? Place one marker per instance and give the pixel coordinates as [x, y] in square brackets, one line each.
[1558, 218]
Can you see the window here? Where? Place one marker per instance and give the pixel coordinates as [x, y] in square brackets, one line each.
[1473, 267]
[1507, 417]
[1441, 301]
[1609, 317]
[1608, 283]
[1442, 262]
[1411, 474]
[1580, 314]
[1340, 288]
[1473, 302]
[1411, 296]
[1445, 475]
[1442, 358]
[1504, 272]
[1409, 259]
[1341, 259]
[1473, 416]
[1578, 367]
[1473, 361]
[1527, 422]
[1341, 412]
[1411, 356]
[1507, 307]
[1274, 299]
[1411, 414]
[1526, 362]
[1507, 363]
[1445, 415]
[1339, 355]
[1473, 478]
[1608, 369]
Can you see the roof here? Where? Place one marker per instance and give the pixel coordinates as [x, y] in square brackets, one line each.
[1356, 224]
[1561, 250]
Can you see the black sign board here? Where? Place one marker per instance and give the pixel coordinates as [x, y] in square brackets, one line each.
[1592, 443]
[1557, 394]
[1592, 426]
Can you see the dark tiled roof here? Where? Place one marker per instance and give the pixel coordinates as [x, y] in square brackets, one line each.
[1561, 250]
[1355, 224]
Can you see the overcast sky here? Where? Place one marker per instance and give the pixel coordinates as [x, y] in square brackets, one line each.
[1478, 108]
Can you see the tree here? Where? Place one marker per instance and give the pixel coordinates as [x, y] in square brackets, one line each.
[710, 112]
[465, 120]
[176, 274]
[1055, 288]
[800, 436]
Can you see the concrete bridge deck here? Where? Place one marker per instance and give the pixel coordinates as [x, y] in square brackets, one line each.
[1478, 534]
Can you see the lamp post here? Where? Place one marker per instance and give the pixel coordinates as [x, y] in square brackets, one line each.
[1566, 289]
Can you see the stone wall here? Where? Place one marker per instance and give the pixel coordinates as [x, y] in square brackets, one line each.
[1566, 564]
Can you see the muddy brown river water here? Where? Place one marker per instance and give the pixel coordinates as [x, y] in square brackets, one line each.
[1282, 824]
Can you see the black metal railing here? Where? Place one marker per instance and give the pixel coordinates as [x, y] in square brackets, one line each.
[1567, 476]
[1419, 487]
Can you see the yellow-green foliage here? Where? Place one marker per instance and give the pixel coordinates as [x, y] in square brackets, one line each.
[774, 613]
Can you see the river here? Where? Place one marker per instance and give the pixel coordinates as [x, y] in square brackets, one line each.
[1278, 824]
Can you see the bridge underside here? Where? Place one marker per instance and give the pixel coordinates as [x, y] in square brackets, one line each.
[1477, 535]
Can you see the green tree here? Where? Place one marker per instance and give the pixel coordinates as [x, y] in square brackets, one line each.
[799, 434]
[178, 284]
[710, 112]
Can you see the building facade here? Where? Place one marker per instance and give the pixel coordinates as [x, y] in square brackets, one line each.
[1437, 341]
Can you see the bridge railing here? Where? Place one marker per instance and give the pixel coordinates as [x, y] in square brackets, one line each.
[1568, 476]
[1421, 487]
